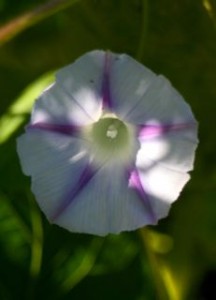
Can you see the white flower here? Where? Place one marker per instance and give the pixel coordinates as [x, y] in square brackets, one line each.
[108, 146]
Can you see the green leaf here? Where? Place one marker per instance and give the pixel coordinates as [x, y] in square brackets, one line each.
[16, 113]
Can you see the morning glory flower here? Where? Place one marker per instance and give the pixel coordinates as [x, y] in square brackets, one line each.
[109, 145]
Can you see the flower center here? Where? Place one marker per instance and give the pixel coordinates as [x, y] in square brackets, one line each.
[112, 139]
[112, 132]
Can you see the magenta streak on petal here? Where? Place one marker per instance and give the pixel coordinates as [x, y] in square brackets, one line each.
[71, 130]
[88, 173]
[135, 183]
[106, 96]
[149, 131]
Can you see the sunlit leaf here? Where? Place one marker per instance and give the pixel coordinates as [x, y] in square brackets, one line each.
[16, 113]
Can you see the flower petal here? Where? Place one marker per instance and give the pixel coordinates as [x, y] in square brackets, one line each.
[75, 98]
[141, 96]
[162, 104]
[71, 130]
[88, 173]
[106, 95]
[149, 131]
[129, 81]
[163, 163]
[106, 205]
[165, 156]
[174, 150]
[83, 81]
[163, 185]
[54, 162]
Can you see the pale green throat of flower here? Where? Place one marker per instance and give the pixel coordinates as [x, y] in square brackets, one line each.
[111, 139]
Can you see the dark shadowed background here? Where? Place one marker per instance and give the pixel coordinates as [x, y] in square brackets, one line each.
[175, 260]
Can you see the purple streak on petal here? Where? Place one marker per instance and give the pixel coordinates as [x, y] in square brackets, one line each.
[71, 130]
[88, 173]
[106, 95]
[150, 131]
[135, 183]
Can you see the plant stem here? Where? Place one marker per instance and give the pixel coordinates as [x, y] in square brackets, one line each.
[155, 266]
[210, 7]
[17, 25]
[36, 247]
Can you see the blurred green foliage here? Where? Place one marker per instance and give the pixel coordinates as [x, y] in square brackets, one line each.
[169, 261]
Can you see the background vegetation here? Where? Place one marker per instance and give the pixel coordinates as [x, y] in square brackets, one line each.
[175, 260]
